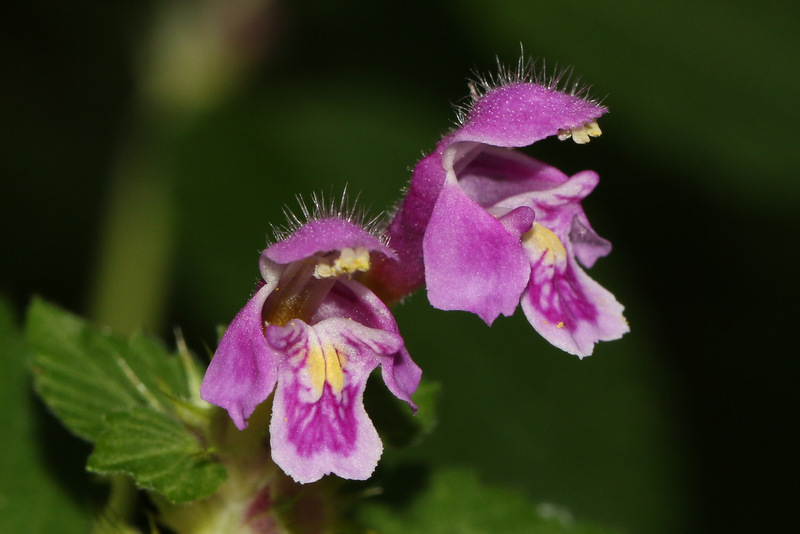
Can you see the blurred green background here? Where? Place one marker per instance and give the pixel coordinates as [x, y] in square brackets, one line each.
[147, 147]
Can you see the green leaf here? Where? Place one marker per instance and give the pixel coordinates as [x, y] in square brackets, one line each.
[84, 374]
[132, 398]
[159, 453]
[33, 496]
[456, 502]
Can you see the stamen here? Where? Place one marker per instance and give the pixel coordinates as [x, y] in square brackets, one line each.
[349, 261]
[580, 134]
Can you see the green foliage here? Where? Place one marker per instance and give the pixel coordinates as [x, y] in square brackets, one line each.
[84, 374]
[456, 502]
[135, 402]
[158, 452]
[31, 499]
[130, 397]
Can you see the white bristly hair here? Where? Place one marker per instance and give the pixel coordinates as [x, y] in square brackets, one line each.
[528, 70]
[318, 207]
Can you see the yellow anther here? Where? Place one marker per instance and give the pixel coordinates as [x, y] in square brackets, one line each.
[349, 261]
[324, 270]
[352, 260]
[580, 134]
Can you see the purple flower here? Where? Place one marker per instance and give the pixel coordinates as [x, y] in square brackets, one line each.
[313, 335]
[486, 227]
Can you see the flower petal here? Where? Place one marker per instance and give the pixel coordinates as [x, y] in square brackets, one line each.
[393, 280]
[323, 235]
[519, 114]
[495, 174]
[319, 424]
[243, 371]
[569, 309]
[586, 244]
[472, 262]
[517, 221]
[558, 208]
[350, 299]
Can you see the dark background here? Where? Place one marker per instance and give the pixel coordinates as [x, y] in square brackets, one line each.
[685, 425]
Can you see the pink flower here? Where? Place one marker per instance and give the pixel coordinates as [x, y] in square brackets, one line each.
[486, 227]
[313, 335]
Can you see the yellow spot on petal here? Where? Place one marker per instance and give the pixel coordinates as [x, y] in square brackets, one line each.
[325, 364]
[560, 324]
[315, 365]
[333, 369]
[580, 134]
[544, 240]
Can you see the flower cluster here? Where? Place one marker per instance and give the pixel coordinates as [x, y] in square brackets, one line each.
[482, 226]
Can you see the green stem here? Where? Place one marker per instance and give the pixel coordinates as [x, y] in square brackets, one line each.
[117, 511]
[135, 252]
